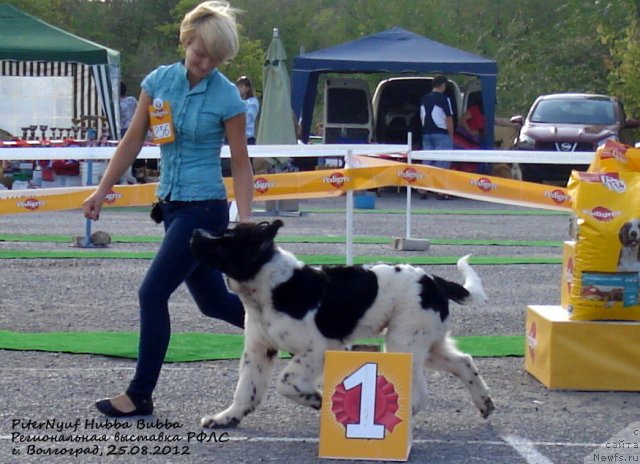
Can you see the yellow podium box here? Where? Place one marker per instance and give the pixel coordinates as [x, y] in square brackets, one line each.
[366, 407]
[581, 355]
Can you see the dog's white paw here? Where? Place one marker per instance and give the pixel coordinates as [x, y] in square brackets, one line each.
[219, 421]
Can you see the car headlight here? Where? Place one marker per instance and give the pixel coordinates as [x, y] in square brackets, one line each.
[526, 142]
[612, 137]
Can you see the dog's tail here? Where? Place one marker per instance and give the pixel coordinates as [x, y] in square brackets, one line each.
[471, 291]
[472, 282]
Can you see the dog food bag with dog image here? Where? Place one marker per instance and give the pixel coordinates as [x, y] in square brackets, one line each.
[607, 261]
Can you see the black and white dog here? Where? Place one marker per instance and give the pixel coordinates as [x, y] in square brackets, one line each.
[302, 310]
[629, 236]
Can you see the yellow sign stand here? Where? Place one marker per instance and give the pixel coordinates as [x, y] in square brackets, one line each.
[366, 409]
[581, 355]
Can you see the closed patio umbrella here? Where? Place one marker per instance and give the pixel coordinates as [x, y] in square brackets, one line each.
[276, 124]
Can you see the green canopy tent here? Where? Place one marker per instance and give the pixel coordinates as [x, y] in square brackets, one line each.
[30, 47]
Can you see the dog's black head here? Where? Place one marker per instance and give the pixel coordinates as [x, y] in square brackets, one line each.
[240, 252]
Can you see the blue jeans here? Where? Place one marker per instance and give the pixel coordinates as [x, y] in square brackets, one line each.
[172, 265]
[437, 142]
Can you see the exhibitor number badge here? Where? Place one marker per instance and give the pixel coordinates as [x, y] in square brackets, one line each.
[160, 122]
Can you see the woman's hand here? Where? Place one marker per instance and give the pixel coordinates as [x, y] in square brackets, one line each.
[92, 205]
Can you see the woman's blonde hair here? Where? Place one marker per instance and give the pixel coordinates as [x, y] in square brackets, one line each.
[215, 23]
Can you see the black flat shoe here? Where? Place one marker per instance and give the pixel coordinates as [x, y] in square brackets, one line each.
[144, 407]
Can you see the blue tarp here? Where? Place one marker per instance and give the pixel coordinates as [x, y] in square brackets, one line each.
[395, 50]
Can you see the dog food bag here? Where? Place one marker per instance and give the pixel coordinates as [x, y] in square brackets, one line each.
[607, 255]
[616, 157]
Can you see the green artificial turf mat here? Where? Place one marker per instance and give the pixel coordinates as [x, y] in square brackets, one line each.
[186, 347]
[457, 212]
[361, 240]
[106, 253]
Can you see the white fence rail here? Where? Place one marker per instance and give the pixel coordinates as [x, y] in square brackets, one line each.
[293, 151]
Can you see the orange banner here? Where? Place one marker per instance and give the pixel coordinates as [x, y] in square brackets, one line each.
[367, 173]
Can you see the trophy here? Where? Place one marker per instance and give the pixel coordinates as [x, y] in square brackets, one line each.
[32, 129]
[43, 130]
[104, 129]
[75, 127]
[24, 132]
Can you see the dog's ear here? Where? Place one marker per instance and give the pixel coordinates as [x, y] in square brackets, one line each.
[624, 230]
[201, 234]
[272, 229]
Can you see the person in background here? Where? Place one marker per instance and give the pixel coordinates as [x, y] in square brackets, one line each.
[253, 107]
[245, 87]
[472, 121]
[127, 109]
[128, 105]
[318, 137]
[436, 115]
[205, 106]
[469, 134]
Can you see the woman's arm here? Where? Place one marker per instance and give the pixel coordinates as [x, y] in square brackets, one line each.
[126, 152]
[465, 125]
[241, 170]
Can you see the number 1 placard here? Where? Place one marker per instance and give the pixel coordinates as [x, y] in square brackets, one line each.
[366, 407]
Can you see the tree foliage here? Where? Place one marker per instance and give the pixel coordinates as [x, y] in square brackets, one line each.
[541, 46]
[625, 59]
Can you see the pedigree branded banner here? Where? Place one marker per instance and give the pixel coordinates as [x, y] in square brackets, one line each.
[35, 200]
[365, 173]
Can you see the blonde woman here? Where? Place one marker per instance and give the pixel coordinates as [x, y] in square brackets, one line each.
[205, 107]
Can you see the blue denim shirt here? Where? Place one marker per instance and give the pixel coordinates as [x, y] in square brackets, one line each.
[190, 166]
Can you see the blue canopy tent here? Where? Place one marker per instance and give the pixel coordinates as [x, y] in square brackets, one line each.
[395, 50]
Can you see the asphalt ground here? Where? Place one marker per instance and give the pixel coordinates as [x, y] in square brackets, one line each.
[531, 424]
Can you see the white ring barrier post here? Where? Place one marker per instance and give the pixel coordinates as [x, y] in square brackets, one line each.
[407, 243]
[348, 163]
[87, 243]
[408, 215]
